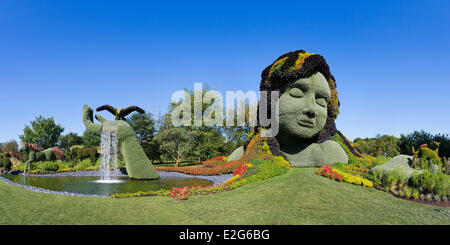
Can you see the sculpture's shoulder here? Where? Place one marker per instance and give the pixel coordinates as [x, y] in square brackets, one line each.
[333, 152]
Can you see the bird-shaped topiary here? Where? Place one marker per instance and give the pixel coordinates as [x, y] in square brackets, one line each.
[120, 113]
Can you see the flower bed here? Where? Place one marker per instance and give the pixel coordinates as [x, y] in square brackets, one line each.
[252, 167]
[208, 169]
[329, 172]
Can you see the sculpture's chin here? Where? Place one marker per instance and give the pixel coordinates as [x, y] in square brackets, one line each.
[306, 135]
[303, 132]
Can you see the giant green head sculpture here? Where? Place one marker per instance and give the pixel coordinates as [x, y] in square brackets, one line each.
[308, 107]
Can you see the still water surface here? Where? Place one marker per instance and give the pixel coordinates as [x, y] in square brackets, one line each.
[91, 185]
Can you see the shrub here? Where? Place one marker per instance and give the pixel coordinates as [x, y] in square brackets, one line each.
[436, 198]
[392, 178]
[429, 182]
[415, 193]
[5, 163]
[83, 164]
[408, 192]
[48, 166]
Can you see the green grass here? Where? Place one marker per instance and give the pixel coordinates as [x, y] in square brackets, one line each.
[298, 197]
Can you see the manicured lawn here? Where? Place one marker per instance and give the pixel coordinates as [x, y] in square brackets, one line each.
[298, 197]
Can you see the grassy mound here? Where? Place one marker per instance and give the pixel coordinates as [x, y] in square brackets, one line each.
[297, 197]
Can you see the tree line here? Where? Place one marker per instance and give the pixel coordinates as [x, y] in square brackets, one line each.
[391, 146]
[162, 141]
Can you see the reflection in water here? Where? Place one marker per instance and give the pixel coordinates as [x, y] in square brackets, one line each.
[91, 185]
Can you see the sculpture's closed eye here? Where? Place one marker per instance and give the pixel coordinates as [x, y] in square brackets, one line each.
[321, 101]
[296, 92]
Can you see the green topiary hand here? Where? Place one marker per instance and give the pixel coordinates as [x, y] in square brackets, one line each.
[136, 162]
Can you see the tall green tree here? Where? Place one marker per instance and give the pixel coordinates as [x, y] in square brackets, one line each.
[9, 146]
[380, 145]
[206, 141]
[70, 139]
[144, 127]
[418, 138]
[175, 143]
[43, 132]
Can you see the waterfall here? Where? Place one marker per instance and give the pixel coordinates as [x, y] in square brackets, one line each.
[108, 152]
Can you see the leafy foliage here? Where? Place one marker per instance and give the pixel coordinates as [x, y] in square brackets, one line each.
[9, 146]
[70, 139]
[144, 125]
[90, 139]
[43, 132]
[418, 138]
[380, 145]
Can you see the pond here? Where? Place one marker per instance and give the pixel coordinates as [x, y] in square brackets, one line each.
[92, 186]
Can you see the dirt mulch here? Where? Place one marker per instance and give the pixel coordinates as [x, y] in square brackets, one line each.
[433, 203]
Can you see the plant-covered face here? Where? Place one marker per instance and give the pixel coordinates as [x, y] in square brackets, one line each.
[303, 106]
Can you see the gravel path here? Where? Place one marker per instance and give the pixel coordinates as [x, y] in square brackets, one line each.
[216, 179]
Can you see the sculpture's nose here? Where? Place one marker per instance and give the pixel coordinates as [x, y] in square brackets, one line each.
[309, 108]
[309, 111]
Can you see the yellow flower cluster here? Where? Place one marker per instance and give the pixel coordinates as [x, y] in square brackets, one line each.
[279, 160]
[237, 176]
[64, 170]
[91, 168]
[266, 148]
[349, 178]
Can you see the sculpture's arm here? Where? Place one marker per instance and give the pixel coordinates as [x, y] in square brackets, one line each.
[88, 120]
[100, 118]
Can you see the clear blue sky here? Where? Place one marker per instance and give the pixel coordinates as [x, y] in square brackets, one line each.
[391, 59]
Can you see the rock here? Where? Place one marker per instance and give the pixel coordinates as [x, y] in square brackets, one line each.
[14, 172]
[433, 167]
[236, 154]
[399, 163]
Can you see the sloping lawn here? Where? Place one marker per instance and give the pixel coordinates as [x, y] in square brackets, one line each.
[298, 197]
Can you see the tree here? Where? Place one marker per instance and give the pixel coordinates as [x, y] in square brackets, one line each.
[90, 139]
[12, 146]
[380, 145]
[415, 139]
[418, 138]
[9, 146]
[174, 143]
[207, 141]
[43, 132]
[70, 139]
[144, 127]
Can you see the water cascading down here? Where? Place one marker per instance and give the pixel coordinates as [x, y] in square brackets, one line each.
[108, 152]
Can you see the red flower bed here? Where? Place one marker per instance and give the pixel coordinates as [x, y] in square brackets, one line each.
[360, 170]
[209, 169]
[328, 172]
[240, 170]
[217, 159]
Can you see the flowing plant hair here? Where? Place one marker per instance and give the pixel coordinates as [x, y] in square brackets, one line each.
[293, 66]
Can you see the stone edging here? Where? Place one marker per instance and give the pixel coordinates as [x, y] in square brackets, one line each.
[216, 179]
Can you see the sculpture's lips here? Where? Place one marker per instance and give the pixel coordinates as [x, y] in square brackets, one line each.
[306, 123]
